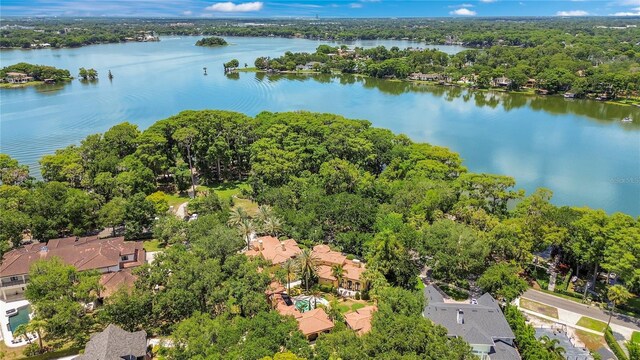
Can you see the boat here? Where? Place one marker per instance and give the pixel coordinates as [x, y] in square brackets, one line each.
[569, 95]
[627, 120]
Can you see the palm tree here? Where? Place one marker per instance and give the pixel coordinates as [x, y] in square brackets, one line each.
[264, 212]
[617, 294]
[21, 331]
[237, 216]
[316, 294]
[246, 228]
[338, 272]
[34, 325]
[552, 346]
[307, 266]
[290, 267]
[272, 226]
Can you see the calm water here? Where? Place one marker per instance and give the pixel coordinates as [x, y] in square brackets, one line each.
[578, 149]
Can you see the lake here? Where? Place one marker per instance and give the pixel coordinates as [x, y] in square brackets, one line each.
[577, 148]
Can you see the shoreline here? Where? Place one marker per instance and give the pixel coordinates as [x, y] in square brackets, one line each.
[621, 101]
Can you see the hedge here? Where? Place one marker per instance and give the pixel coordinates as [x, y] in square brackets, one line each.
[55, 354]
[613, 344]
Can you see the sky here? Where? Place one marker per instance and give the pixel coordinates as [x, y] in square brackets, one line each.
[320, 8]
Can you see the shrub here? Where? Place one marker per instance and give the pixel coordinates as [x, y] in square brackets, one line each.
[613, 344]
[365, 295]
[31, 350]
[326, 288]
[358, 295]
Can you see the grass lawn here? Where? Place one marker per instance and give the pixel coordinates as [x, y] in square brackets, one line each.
[10, 352]
[592, 341]
[152, 245]
[176, 199]
[539, 308]
[635, 337]
[592, 324]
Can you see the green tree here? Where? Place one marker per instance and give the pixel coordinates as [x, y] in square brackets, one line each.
[138, 216]
[502, 281]
[307, 265]
[617, 294]
[112, 214]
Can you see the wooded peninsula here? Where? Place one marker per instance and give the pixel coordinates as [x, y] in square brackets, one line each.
[320, 179]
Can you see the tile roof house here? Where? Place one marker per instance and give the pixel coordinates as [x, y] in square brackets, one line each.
[274, 250]
[311, 323]
[86, 253]
[482, 325]
[360, 320]
[116, 344]
[353, 269]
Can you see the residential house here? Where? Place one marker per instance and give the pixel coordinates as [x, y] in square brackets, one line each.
[425, 77]
[311, 323]
[274, 250]
[18, 78]
[116, 344]
[482, 325]
[353, 269]
[87, 253]
[502, 81]
[360, 320]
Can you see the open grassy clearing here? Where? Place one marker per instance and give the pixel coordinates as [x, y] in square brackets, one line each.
[592, 341]
[592, 324]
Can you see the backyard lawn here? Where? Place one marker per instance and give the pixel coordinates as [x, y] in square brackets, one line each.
[592, 324]
[539, 308]
[635, 337]
[152, 245]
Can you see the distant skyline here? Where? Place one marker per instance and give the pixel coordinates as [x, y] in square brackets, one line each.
[313, 8]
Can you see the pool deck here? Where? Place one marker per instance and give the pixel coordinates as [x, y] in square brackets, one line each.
[7, 336]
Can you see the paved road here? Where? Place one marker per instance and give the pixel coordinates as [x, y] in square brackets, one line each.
[585, 310]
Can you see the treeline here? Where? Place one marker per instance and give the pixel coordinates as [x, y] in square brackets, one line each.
[211, 41]
[38, 72]
[579, 67]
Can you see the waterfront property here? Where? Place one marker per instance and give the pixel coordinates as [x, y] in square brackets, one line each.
[482, 325]
[115, 343]
[87, 253]
[17, 78]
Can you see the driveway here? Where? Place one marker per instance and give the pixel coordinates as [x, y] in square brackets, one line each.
[582, 309]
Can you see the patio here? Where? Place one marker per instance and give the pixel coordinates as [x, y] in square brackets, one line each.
[7, 335]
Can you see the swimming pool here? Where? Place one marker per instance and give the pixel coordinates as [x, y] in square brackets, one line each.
[22, 317]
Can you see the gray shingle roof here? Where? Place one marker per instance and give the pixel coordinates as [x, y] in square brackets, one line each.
[114, 344]
[483, 324]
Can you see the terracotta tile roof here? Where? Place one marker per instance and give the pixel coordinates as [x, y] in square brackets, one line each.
[275, 250]
[328, 256]
[314, 321]
[83, 253]
[360, 320]
[114, 281]
[275, 288]
[353, 270]
[325, 272]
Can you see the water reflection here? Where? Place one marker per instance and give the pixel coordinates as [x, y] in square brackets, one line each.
[594, 110]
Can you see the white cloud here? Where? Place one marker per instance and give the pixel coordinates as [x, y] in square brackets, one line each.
[355, 5]
[187, 13]
[627, 13]
[463, 12]
[630, 2]
[231, 7]
[572, 13]
[487, 1]
[461, 6]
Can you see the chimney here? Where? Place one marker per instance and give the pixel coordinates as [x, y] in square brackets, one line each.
[460, 317]
[284, 248]
[43, 252]
[260, 245]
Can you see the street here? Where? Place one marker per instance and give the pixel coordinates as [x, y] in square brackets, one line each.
[586, 310]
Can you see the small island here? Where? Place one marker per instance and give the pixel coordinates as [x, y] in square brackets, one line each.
[211, 41]
[24, 74]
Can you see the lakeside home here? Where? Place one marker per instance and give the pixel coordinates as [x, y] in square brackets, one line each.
[107, 256]
[482, 325]
[17, 78]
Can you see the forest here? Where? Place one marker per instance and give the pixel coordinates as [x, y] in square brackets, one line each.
[365, 191]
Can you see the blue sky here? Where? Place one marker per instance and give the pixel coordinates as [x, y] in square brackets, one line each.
[321, 8]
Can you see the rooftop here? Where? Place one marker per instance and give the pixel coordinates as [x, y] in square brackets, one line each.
[274, 250]
[115, 344]
[360, 320]
[85, 253]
